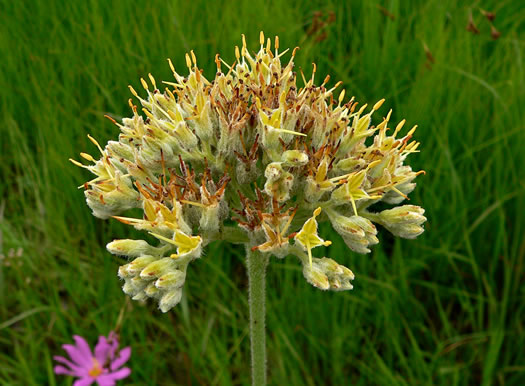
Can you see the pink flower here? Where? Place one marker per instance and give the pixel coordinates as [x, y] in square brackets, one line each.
[105, 366]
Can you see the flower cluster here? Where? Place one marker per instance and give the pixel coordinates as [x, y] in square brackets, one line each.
[249, 157]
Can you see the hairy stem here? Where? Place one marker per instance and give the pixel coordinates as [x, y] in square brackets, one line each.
[256, 266]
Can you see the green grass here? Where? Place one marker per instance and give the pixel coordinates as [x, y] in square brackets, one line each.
[446, 308]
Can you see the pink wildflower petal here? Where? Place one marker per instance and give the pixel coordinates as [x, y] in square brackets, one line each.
[123, 357]
[104, 380]
[84, 381]
[113, 336]
[113, 341]
[78, 370]
[77, 355]
[62, 370]
[83, 346]
[114, 376]
[102, 350]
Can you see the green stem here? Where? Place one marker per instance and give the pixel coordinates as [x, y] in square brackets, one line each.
[256, 266]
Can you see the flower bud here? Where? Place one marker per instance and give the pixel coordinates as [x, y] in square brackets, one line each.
[229, 139]
[315, 276]
[140, 297]
[133, 286]
[170, 299]
[357, 232]
[135, 266]
[131, 248]
[185, 136]
[157, 268]
[349, 164]
[120, 150]
[403, 221]
[327, 274]
[154, 152]
[128, 288]
[109, 198]
[171, 280]
[151, 291]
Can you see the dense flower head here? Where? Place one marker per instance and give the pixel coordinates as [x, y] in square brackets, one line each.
[103, 366]
[249, 157]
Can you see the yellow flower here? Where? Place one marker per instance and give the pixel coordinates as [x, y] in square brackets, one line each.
[307, 237]
[352, 188]
[186, 245]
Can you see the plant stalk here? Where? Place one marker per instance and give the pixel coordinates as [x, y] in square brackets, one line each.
[256, 264]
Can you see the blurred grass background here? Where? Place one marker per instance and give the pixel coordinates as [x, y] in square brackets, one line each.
[447, 308]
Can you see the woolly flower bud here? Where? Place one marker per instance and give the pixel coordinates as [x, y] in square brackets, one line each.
[172, 279]
[120, 150]
[152, 277]
[157, 268]
[326, 274]
[131, 248]
[107, 199]
[170, 299]
[357, 232]
[404, 221]
[137, 265]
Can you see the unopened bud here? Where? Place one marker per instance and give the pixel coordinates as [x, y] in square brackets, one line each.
[119, 198]
[120, 150]
[131, 248]
[151, 290]
[157, 268]
[141, 296]
[171, 280]
[404, 221]
[170, 299]
[315, 276]
[327, 274]
[137, 265]
[357, 232]
[350, 164]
